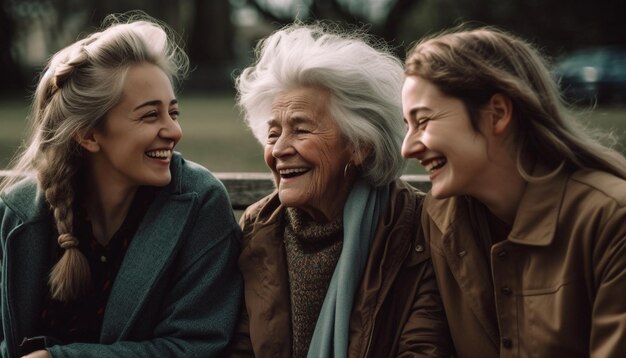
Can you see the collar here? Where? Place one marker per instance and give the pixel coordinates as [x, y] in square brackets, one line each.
[536, 219]
[26, 199]
[537, 215]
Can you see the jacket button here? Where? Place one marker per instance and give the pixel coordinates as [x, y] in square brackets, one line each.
[506, 291]
[462, 253]
[502, 254]
[419, 248]
[507, 343]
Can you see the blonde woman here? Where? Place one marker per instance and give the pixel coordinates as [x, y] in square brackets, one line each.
[526, 218]
[113, 245]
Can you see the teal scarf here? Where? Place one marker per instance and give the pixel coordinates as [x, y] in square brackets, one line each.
[361, 213]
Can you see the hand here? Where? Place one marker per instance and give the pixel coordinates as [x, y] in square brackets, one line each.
[38, 354]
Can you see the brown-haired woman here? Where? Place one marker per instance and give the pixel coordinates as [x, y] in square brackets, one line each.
[527, 214]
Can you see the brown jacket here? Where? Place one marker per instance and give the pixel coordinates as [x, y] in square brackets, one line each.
[397, 309]
[559, 279]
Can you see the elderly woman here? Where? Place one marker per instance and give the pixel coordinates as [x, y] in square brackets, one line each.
[333, 260]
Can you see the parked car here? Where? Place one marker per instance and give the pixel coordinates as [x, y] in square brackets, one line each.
[593, 75]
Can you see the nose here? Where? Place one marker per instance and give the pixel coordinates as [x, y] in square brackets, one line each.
[171, 130]
[283, 146]
[412, 146]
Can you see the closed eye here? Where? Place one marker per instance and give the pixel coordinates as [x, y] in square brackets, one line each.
[422, 122]
[174, 114]
[152, 115]
[272, 136]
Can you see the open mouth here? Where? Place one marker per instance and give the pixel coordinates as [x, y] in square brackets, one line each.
[292, 173]
[435, 164]
[159, 154]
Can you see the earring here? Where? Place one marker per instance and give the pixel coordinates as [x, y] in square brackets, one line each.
[346, 168]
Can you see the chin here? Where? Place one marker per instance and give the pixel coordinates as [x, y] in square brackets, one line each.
[441, 193]
[286, 200]
[289, 198]
[161, 181]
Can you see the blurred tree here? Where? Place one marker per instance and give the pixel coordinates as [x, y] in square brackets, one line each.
[380, 18]
[346, 11]
[210, 45]
[167, 11]
[10, 78]
[556, 26]
[211, 33]
[204, 26]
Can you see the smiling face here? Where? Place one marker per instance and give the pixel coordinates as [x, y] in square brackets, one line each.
[135, 146]
[441, 137]
[307, 153]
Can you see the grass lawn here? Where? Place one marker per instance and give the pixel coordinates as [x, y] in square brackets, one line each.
[215, 136]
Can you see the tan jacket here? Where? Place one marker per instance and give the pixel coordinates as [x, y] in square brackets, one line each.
[396, 312]
[559, 279]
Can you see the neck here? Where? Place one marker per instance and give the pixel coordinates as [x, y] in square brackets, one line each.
[502, 191]
[329, 210]
[107, 206]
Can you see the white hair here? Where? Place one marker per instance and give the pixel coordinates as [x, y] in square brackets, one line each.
[362, 76]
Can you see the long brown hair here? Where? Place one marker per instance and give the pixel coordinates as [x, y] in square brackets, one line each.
[474, 64]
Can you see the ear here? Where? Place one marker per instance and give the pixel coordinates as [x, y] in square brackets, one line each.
[87, 140]
[500, 112]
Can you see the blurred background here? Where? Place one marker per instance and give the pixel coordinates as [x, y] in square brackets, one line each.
[585, 41]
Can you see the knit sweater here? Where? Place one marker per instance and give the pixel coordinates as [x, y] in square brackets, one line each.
[312, 250]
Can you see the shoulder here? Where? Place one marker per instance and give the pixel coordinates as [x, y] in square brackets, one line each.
[24, 199]
[444, 213]
[212, 206]
[188, 176]
[198, 199]
[599, 186]
[403, 187]
[192, 179]
[402, 222]
[405, 200]
[595, 200]
[265, 212]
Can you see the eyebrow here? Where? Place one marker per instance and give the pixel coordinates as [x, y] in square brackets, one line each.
[413, 112]
[292, 120]
[156, 102]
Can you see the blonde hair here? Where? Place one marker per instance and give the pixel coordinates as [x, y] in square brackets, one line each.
[80, 84]
[361, 74]
[475, 64]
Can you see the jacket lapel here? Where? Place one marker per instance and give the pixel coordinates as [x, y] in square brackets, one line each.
[27, 259]
[263, 266]
[465, 259]
[390, 248]
[538, 212]
[150, 252]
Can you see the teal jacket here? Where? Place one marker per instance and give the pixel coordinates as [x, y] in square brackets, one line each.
[178, 290]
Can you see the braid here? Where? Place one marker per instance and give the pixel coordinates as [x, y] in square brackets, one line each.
[81, 84]
[70, 277]
[76, 57]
